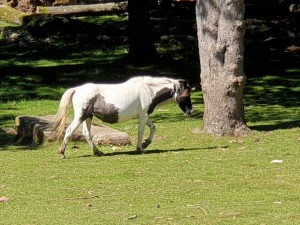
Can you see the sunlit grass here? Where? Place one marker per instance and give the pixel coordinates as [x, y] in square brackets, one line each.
[76, 59]
[188, 177]
[43, 63]
[5, 24]
[106, 20]
[9, 16]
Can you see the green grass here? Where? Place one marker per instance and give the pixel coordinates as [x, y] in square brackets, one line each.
[9, 15]
[187, 176]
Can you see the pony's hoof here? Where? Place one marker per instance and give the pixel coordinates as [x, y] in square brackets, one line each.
[98, 153]
[62, 156]
[140, 151]
[146, 143]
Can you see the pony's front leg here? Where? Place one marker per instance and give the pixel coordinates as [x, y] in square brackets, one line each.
[142, 123]
[86, 128]
[148, 141]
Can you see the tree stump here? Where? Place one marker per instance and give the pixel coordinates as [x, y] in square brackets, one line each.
[38, 129]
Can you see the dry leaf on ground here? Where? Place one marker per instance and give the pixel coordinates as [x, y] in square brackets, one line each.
[4, 199]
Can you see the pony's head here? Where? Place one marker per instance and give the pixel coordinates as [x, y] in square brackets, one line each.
[166, 90]
[183, 97]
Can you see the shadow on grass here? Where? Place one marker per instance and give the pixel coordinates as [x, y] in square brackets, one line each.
[281, 90]
[5, 139]
[8, 139]
[169, 117]
[7, 135]
[277, 126]
[156, 151]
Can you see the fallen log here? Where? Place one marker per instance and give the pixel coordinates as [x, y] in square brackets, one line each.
[80, 9]
[38, 130]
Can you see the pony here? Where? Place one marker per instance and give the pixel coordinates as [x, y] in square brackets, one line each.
[113, 103]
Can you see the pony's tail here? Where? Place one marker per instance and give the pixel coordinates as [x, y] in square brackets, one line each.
[58, 124]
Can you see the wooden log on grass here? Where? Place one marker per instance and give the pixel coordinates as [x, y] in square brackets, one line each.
[80, 9]
[38, 129]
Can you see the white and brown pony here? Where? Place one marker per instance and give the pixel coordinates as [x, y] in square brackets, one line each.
[114, 103]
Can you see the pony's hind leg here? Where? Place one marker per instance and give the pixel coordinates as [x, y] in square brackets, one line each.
[148, 141]
[86, 128]
[69, 131]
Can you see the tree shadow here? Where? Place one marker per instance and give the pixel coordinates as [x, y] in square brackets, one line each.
[9, 138]
[274, 90]
[167, 117]
[7, 135]
[277, 126]
[5, 139]
[269, 42]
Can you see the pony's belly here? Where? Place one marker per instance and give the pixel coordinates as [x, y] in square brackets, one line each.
[116, 117]
[126, 116]
[115, 109]
[108, 118]
[128, 111]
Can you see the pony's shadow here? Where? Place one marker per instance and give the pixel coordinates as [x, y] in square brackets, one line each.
[155, 151]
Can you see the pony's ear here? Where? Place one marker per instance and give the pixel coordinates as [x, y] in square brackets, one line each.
[185, 83]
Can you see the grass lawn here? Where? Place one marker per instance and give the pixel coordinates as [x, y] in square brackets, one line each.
[186, 177]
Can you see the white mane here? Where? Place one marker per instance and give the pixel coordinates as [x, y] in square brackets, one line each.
[156, 81]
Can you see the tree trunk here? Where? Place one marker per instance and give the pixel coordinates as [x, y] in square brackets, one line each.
[220, 25]
[141, 45]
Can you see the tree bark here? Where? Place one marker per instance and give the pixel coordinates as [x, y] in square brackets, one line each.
[220, 25]
[141, 45]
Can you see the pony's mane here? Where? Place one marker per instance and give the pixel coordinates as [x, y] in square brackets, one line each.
[153, 80]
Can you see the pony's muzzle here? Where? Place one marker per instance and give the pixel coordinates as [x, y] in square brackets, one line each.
[189, 112]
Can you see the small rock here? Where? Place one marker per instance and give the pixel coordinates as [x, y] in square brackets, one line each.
[277, 161]
[132, 217]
